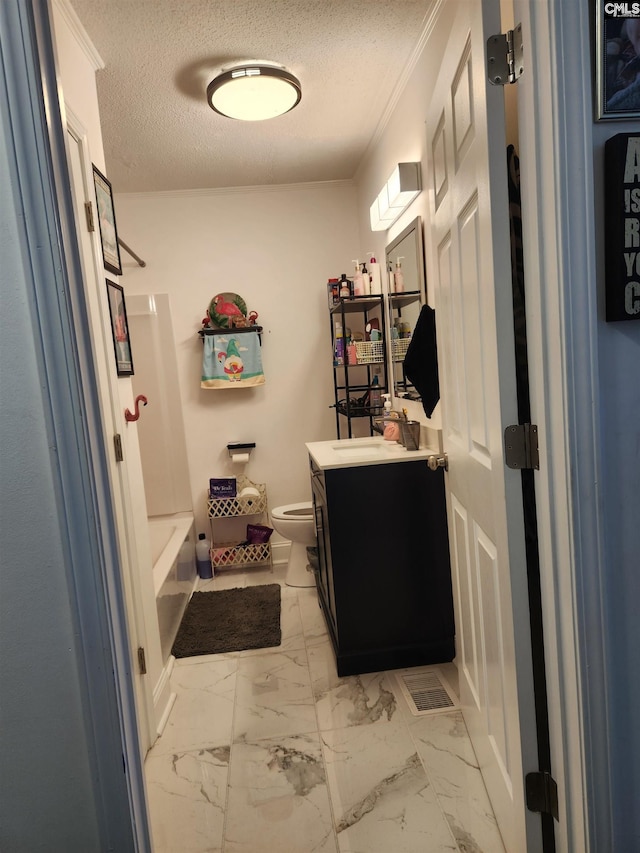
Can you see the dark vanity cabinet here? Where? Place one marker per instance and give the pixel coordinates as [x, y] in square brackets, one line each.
[383, 576]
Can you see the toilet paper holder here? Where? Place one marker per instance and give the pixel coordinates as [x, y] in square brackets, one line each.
[240, 450]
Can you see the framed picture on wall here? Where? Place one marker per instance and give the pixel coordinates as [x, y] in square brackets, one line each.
[107, 223]
[120, 329]
[618, 60]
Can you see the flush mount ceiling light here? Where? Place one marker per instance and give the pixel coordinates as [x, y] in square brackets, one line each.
[395, 196]
[254, 91]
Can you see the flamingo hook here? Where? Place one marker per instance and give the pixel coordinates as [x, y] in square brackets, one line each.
[133, 416]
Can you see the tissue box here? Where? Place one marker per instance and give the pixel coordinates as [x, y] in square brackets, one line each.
[222, 487]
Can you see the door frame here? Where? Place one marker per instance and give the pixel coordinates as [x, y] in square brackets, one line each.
[111, 713]
[562, 335]
[556, 171]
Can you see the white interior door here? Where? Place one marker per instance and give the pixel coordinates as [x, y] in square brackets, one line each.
[80, 168]
[469, 256]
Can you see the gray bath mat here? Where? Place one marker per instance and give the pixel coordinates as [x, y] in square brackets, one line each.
[229, 620]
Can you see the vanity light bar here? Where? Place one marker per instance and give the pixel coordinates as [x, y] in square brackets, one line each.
[403, 186]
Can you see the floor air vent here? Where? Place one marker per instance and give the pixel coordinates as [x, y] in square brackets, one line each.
[426, 691]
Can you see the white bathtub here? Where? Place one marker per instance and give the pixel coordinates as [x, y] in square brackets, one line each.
[167, 533]
[172, 587]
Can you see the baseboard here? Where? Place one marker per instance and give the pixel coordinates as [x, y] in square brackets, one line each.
[163, 698]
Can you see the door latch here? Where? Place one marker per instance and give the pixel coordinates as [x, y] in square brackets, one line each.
[435, 462]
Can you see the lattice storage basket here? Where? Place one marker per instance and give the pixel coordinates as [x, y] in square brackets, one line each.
[249, 505]
[228, 554]
[399, 348]
[369, 352]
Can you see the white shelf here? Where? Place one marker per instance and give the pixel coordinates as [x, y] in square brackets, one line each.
[230, 554]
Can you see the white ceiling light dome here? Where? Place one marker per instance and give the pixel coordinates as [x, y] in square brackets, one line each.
[254, 91]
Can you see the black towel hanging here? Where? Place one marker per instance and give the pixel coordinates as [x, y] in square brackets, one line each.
[421, 360]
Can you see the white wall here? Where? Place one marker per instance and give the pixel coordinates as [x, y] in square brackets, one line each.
[403, 138]
[276, 247]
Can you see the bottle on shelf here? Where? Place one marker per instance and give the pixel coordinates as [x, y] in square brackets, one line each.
[398, 276]
[203, 557]
[376, 281]
[358, 281]
[366, 280]
[345, 287]
[334, 292]
[338, 351]
[375, 395]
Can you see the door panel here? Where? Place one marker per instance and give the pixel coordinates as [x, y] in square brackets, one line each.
[469, 233]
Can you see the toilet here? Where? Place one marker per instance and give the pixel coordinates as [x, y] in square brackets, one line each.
[296, 523]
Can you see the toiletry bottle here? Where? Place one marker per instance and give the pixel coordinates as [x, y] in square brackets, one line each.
[366, 280]
[399, 276]
[203, 557]
[390, 427]
[334, 292]
[338, 352]
[345, 287]
[358, 283]
[391, 278]
[376, 282]
[186, 564]
[375, 398]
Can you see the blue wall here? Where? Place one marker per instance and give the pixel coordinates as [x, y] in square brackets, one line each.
[619, 363]
[63, 784]
[46, 791]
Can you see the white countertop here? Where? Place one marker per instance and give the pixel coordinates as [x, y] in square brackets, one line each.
[372, 450]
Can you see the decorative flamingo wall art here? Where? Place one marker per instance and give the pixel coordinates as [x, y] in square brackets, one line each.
[225, 309]
[133, 416]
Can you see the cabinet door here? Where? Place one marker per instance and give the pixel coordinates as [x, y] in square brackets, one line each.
[324, 577]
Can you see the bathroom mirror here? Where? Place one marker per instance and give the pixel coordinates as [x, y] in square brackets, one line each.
[403, 308]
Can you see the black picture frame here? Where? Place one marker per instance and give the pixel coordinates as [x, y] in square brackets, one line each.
[617, 60]
[119, 329]
[106, 217]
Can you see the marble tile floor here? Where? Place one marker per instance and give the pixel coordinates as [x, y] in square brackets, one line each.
[268, 750]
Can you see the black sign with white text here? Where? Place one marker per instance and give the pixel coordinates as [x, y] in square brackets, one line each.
[622, 227]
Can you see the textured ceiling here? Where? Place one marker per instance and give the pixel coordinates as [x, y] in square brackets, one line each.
[160, 133]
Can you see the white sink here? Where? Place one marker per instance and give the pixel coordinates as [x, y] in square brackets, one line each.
[346, 448]
[361, 451]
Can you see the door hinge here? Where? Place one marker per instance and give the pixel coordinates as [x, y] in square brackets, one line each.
[504, 57]
[88, 212]
[541, 791]
[521, 446]
[142, 662]
[117, 444]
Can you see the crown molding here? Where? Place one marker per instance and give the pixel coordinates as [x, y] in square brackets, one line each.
[72, 20]
[266, 188]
